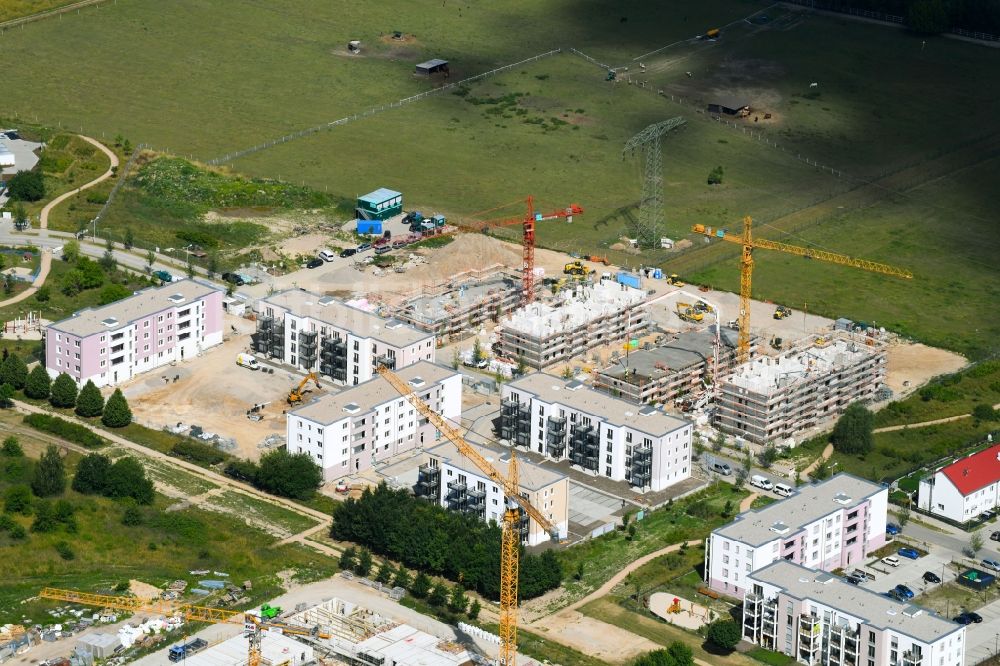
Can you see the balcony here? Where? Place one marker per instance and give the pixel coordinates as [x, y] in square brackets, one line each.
[387, 361]
[428, 481]
[556, 425]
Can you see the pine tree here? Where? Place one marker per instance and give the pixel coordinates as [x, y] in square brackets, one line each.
[63, 391]
[364, 565]
[438, 596]
[50, 476]
[348, 559]
[90, 402]
[474, 609]
[402, 578]
[384, 574]
[13, 371]
[92, 474]
[457, 601]
[6, 395]
[116, 413]
[421, 585]
[38, 383]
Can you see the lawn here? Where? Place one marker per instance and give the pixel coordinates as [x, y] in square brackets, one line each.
[259, 510]
[12, 9]
[67, 161]
[947, 396]
[951, 598]
[771, 658]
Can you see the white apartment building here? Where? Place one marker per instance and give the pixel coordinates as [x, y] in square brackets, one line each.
[964, 489]
[826, 526]
[323, 334]
[452, 480]
[155, 327]
[818, 618]
[349, 431]
[601, 434]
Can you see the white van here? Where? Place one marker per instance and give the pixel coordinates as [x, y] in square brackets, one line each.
[722, 468]
[247, 361]
[783, 490]
[327, 255]
[761, 482]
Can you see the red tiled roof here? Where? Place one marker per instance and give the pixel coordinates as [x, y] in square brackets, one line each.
[977, 471]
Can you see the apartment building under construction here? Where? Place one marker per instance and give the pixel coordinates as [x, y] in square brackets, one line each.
[771, 399]
[582, 317]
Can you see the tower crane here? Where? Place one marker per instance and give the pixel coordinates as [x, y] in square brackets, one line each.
[253, 624]
[750, 243]
[510, 542]
[527, 221]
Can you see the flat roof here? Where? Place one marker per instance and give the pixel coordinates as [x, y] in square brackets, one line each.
[461, 296]
[688, 349]
[121, 313]
[433, 62]
[615, 411]
[873, 608]
[367, 395]
[767, 375]
[809, 503]
[276, 648]
[529, 475]
[380, 195]
[335, 312]
[403, 644]
[591, 303]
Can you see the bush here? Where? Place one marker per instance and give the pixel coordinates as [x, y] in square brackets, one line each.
[116, 413]
[73, 432]
[50, 475]
[12, 448]
[38, 384]
[26, 186]
[723, 634]
[113, 292]
[203, 454]
[715, 176]
[127, 478]
[63, 391]
[242, 470]
[65, 551]
[17, 499]
[92, 474]
[288, 475]
[132, 516]
[985, 413]
[90, 402]
[6, 396]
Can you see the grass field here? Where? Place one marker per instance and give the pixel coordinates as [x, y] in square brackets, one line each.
[12, 9]
[947, 396]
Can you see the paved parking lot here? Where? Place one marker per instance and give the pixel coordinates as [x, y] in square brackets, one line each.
[909, 573]
[589, 509]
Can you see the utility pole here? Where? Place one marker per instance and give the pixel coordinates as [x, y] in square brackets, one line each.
[651, 216]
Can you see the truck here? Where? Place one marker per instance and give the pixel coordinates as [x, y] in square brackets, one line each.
[163, 276]
[247, 361]
[179, 652]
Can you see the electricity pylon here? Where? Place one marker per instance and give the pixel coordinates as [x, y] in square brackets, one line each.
[651, 216]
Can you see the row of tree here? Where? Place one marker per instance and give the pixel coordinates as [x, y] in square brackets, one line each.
[932, 16]
[281, 473]
[123, 478]
[428, 537]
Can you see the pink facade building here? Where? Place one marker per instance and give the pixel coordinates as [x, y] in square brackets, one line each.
[157, 326]
[826, 526]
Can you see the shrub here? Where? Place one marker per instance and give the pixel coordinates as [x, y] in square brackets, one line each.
[132, 516]
[17, 499]
[853, 433]
[64, 550]
[43, 294]
[73, 432]
[197, 452]
[12, 448]
[116, 413]
[984, 413]
[92, 474]
[26, 186]
[50, 475]
[127, 478]
[6, 396]
[289, 475]
[723, 634]
[63, 391]
[242, 470]
[90, 402]
[38, 384]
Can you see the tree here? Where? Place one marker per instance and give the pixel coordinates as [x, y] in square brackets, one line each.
[63, 392]
[190, 268]
[20, 216]
[718, 441]
[17, 499]
[113, 292]
[348, 559]
[26, 186]
[8, 284]
[402, 578]
[457, 601]
[364, 564]
[90, 402]
[522, 367]
[384, 574]
[6, 395]
[821, 471]
[929, 17]
[150, 258]
[438, 595]
[477, 351]
[455, 359]
[768, 456]
[213, 264]
[132, 516]
[474, 609]
[43, 294]
[49, 478]
[421, 585]
[127, 478]
[853, 432]
[38, 384]
[12, 448]
[975, 543]
[45, 517]
[108, 261]
[71, 251]
[715, 176]
[92, 474]
[13, 371]
[904, 515]
[723, 634]
[699, 445]
[289, 475]
[129, 241]
[985, 413]
[675, 654]
[116, 413]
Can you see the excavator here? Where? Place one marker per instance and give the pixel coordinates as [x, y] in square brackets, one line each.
[295, 395]
[688, 313]
[675, 280]
[577, 268]
[781, 312]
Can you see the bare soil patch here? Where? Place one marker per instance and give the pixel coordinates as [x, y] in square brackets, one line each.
[911, 365]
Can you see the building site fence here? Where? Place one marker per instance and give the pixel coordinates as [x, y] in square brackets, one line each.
[52, 13]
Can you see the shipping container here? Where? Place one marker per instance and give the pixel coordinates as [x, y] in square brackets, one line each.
[628, 279]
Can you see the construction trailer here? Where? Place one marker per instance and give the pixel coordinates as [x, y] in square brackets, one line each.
[379, 205]
[770, 399]
[679, 367]
[581, 318]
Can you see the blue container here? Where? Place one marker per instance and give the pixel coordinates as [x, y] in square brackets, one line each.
[658, 274]
[370, 227]
[628, 279]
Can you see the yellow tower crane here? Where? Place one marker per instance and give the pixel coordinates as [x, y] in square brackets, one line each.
[253, 624]
[750, 243]
[510, 540]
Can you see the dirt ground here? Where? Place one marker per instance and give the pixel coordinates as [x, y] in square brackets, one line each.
[911, 365]
[214, 393]
[143, 590]
[595, 638]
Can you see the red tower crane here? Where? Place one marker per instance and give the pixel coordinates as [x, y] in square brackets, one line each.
[528, 241]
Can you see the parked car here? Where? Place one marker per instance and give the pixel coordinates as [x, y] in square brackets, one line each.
[895, 594]
[891, 561]
[892, 529]
[991, 564]
[969, 617]
[722, 468]
[854, 580]
[989, 514]
[931, 577]
[761, 481]
[863, 575]
[963, 619]
[904, 591]
[910, 553]
[233, 278]
[315, 263]
[349, 252]
[364, 246]
[995, 536]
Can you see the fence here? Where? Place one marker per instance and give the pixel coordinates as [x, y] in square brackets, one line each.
[376, 109]
[885, 18]
[123, 174]
[58, 11]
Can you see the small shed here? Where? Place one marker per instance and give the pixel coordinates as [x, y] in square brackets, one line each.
[843, 324]
[432, 66]
[370, 227]
[379, 205]
[731, 106]
[101, 646]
